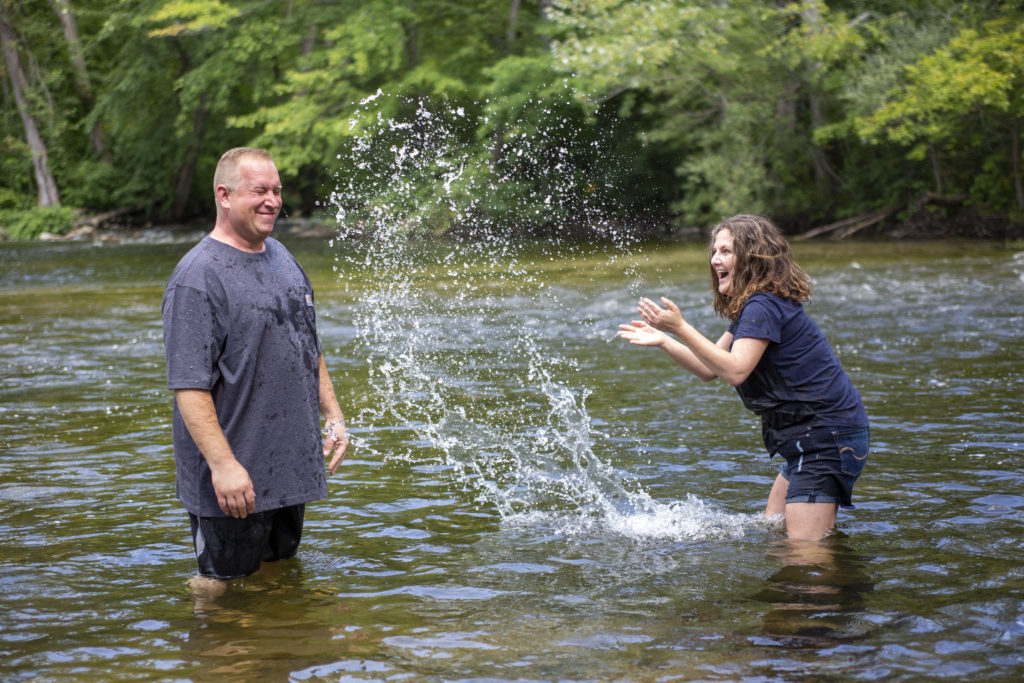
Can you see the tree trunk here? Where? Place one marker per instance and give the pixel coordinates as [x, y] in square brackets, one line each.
[934, 156]
[48, 195]
[822, 170]
[70, 26]
[412, 44]
[812, 17]
[513, 19]
[187, 174]
[542, 12]
[1018, 182]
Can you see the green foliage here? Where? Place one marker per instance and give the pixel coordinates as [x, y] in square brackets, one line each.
[942, 91]
[190, 16]
[713, 82]
[546, 148]
[404, 49]
[308, 120]
[28, 224]
[90, 179]
[582, 111]
[977, 70]
[16, 190]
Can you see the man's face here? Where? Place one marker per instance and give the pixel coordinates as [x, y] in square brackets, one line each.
[255, 203]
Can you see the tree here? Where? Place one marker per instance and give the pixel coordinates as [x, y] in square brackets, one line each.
[45, 183]
[812, 110]
[210, 39]
[726, 87]
[945, 97]
[82, 81]
[430, 53]
[176, 72]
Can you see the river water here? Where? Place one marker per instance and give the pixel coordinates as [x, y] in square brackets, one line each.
[528, 498]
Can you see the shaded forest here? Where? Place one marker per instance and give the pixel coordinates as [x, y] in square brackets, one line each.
[837, 118]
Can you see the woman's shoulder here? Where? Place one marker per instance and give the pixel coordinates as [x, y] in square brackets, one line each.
[769, 299]
[766, 304]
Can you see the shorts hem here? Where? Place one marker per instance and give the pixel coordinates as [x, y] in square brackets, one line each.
[813, 498]
[226, 578]
[243, 544]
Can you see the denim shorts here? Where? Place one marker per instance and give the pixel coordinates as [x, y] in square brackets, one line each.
[230, 548]
[823, 463]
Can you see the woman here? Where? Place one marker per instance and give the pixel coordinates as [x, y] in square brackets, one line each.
[781, 365]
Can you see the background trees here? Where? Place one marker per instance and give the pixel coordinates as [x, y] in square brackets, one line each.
[813, 111]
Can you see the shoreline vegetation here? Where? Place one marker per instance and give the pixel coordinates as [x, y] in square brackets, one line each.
[932, 217]
[837, 118]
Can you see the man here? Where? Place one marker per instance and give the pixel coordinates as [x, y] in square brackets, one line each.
[249, 380]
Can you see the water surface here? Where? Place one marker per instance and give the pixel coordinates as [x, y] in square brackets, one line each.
[528, 498]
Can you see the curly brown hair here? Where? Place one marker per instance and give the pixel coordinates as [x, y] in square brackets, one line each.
[762, 262]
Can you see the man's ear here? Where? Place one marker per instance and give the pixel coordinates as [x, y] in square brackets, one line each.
[223, 196]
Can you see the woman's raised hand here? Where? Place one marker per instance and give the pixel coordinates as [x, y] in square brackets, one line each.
[667, 319]
[640, 333]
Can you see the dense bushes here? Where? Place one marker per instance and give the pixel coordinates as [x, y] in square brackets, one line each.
[29, 224]
[813, 111]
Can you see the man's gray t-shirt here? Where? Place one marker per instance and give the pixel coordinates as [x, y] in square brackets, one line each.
[242, 326]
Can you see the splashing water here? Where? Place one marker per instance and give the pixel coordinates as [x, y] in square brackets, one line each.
[478, 388]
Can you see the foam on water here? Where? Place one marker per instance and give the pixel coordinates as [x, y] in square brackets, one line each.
[505, 418]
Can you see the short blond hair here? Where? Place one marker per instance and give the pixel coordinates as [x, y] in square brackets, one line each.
[227, 168]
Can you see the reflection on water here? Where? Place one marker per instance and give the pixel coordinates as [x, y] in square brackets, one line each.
[414, 569]
[815, 595]
[248, 630]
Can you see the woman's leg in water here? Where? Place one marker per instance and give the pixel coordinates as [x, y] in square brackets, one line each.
[777, 498]
[804, 521]
[810, 521]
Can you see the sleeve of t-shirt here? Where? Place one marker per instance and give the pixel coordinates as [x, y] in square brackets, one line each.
[312, 300]
[189, 339]
[758, 319]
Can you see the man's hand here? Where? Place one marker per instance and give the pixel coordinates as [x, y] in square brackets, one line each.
[231, 482]
[335, 434]
[234, 490]
[336, 441]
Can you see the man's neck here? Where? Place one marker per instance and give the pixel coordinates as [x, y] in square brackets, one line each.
[231, 239]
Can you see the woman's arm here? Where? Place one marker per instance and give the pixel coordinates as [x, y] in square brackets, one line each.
[732, 365]
[641, 334]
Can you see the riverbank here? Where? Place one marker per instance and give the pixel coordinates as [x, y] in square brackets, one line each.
[926, 223]
[178, 232]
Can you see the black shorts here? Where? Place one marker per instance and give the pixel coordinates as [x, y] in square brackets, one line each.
[823, 464]
[230, 548]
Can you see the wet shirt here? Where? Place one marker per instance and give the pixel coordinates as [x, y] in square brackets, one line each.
[242, 326]
[798, 383]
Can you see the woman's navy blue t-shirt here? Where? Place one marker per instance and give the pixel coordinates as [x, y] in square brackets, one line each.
[798, 383]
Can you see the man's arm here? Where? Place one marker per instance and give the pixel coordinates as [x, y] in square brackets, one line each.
[335, 434]
[231, 482]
